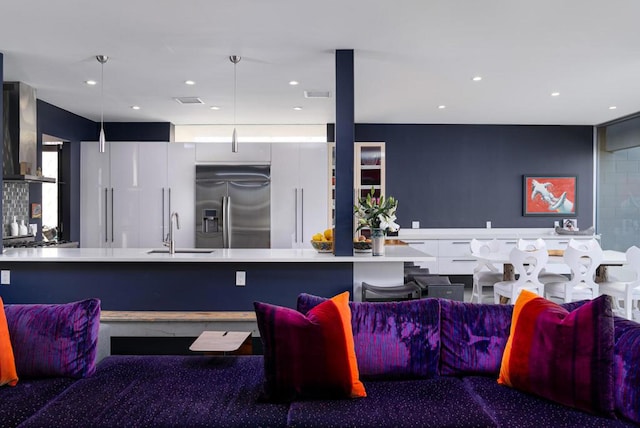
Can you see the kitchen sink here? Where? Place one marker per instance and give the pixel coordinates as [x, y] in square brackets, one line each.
[189, 251]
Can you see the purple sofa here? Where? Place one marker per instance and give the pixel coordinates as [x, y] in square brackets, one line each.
[424, 363]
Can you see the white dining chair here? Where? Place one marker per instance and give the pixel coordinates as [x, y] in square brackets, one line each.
[583, 258]
[528, 264]
[540, 243]
[627, 292]
[485, 273]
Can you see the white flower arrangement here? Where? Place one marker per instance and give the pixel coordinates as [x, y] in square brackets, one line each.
[376, 213]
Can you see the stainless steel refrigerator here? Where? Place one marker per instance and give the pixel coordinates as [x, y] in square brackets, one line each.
[233, 206]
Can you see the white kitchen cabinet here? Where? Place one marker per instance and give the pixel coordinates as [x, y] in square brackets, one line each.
[94, 195]
[122, 202]
[429, 246]
[298, 193]
[221, 152]
[180, 193]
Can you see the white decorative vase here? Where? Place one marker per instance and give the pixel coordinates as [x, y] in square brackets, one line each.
[377, 240]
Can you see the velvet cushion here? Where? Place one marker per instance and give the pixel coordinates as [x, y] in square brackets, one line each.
[473, 337]
[165, 391]
[8, 374]
[511, 408]
[563, 356]
[627, 368]
[54, 340]
[438, 402]
[309, 355]
[393, 340]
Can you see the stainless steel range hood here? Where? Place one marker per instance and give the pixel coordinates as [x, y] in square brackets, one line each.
[19, 161]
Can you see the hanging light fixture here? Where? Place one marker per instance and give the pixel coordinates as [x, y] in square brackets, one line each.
[235, 59]
[102, 59]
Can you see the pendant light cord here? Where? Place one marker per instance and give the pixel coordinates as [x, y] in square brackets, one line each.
[235, 87]
[102, 95]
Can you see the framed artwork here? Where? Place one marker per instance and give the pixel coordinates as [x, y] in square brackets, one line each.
[36, 210]
[549, 195]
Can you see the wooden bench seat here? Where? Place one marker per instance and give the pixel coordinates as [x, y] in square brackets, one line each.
[169, 324]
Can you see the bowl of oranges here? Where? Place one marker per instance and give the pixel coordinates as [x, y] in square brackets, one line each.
[322, 242]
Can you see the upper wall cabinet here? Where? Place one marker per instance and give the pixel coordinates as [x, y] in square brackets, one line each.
[221, 152]
[369, 172]
[298, 193]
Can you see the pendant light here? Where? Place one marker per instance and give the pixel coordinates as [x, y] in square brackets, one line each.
[102, 59]
[235, 59]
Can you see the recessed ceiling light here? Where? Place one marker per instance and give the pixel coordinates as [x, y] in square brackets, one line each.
[135, 107]
[297, 108]
[189, 82]
[477, 78]
[91, 82]
[613, 108]
[214, 108]
[294, 82]
[555, 94]
[441, 107]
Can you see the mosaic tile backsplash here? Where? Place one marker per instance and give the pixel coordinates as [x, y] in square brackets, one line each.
[15, 202]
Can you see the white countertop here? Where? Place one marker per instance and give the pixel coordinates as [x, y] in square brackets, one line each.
[483, 233]
[393, 253]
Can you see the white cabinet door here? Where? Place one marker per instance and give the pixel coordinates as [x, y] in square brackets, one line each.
[284, 194]
[124, 195]
[94, 188]
[181, 192]
[314, 195]
[429, 246]
[298, 193]
[152, 185]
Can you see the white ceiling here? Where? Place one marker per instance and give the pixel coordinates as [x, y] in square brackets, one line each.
[410, 57]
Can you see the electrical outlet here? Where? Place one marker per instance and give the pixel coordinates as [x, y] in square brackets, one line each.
[241, 278]
[5, 277]
[415, 224]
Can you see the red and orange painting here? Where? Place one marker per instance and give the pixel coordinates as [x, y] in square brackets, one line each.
[549, 195]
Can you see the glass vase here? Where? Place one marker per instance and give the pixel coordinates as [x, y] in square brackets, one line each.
[377, 240]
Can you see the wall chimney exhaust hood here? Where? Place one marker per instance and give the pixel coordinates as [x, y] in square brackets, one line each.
[19, 121]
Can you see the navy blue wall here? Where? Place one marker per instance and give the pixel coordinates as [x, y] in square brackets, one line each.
[463, 175]
[173, 286]
[138, 131]
[69, 127]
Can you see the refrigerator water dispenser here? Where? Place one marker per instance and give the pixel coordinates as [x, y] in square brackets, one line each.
[209, 221]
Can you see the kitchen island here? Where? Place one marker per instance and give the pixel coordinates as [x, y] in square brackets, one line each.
[130, 279]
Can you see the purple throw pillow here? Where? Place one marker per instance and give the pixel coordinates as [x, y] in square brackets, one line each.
[54, 340]
[392, 339]
[473, 337]
[626, 363]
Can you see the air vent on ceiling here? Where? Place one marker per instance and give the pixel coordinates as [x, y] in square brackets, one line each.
[317, 94]
[189, 100]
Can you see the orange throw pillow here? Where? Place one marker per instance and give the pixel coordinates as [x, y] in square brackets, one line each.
[8, 374]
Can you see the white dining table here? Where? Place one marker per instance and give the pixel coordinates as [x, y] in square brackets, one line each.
[610, 258]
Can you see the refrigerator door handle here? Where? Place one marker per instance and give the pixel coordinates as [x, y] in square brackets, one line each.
[224, 222]
[229, 219]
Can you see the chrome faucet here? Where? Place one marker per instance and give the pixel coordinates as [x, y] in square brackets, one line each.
[170, 242]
